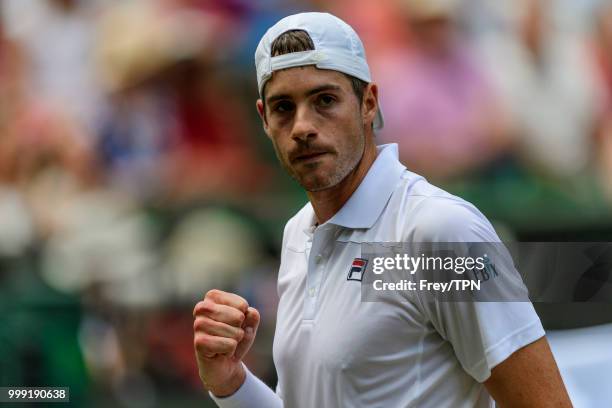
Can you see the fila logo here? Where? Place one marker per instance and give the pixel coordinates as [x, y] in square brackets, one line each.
[357, 269]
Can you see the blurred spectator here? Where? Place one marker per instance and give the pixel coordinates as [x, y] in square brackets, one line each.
[16, 229]
[175, 125]
[43, 154]
[549, 86]
[437, 100]
[201, 252]
[57, 36]
[48, 168]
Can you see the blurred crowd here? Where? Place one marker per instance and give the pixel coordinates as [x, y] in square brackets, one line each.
[134, 174]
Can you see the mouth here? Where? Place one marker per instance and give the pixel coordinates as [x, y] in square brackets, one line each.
[309, 157]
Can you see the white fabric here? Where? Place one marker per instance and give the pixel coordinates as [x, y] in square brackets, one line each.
[252, 393]
[333, 350]
[337, 47]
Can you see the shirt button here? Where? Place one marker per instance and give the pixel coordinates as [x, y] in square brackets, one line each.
[318, 258]
[311, 292]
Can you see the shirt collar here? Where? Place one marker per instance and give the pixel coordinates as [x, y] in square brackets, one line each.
[367, 202]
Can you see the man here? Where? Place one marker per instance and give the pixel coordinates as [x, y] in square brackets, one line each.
[319, 108]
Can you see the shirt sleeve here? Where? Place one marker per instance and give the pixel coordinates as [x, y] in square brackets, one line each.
[252, 394]
[482, 333]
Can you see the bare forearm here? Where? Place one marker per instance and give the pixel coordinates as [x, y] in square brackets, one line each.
[529, 378]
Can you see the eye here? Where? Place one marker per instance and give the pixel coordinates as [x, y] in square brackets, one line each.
[326, 100]
[283, 106]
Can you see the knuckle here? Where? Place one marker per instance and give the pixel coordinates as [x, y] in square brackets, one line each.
[207, 306]
[239, 335]
[201, 343]
[200, 324]
[232, 344]
[203, 307]
[243, 305]
[239, 318]
[197, 308]
[213, 294]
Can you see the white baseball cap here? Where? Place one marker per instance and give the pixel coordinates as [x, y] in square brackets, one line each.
[336, 47]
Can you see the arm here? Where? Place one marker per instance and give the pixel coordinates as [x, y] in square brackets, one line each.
[224, 330]
[528, 378]
[499, 343]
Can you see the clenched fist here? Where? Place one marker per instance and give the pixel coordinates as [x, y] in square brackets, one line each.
[224, 328]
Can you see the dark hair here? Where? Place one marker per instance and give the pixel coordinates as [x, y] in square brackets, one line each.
[299, 40]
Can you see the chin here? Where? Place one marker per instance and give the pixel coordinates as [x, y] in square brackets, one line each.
[314, 184]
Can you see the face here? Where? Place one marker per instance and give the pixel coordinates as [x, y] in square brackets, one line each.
[316, 125]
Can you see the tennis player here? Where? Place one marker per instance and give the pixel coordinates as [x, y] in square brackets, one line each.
[319, 107]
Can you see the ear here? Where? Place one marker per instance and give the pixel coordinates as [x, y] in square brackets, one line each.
[260, 109]
[262, 114]
[370, 104]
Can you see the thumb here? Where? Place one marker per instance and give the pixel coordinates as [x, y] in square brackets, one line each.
[250, 325]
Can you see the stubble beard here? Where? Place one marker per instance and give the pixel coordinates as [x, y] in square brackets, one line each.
[346, 166]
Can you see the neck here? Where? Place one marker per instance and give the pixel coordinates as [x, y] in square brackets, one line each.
[328, 202]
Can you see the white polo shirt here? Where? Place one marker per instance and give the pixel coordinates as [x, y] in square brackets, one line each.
[333, 350]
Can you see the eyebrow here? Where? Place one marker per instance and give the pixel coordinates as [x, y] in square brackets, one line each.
[326, 87]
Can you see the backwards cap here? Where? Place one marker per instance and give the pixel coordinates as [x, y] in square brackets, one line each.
[336, 47]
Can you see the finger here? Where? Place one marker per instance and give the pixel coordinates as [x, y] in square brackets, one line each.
[228, 299]
[209, 346]
[252, 318]
[250, 331]
[214, 328]
[220, 313]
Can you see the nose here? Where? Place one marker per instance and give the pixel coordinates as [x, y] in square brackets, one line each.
[303, 125]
